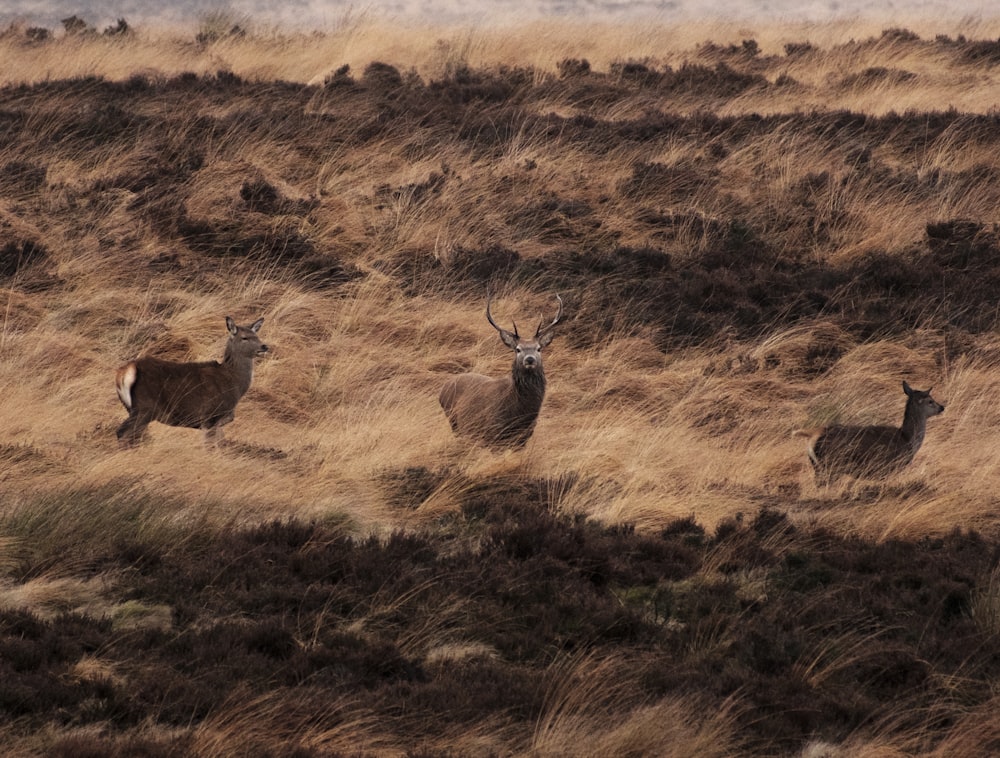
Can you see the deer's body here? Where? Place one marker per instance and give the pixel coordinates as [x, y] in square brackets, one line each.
[871, 451]
[501, 411]
[200, 395]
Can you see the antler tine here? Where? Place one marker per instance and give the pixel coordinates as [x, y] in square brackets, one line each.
[555, 321]
[489, 317]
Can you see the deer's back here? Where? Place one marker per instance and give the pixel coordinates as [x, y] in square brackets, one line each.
[486, 409]
[860, 450]
[183, 394]
[470, 399]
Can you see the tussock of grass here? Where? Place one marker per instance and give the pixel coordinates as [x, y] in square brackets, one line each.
[586, 690]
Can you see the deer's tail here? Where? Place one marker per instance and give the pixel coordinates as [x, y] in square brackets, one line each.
[124, 380]
[812, 434]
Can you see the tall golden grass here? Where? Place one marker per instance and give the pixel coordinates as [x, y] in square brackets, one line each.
[432, 51]
[351, 388]
[351, 392]
[627, 433]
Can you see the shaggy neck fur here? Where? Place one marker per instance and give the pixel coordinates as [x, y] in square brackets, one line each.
[529, 387]
[241, 366]
[914, 426]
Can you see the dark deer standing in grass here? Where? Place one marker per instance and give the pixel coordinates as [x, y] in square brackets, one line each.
[870, 451]
[196, 395]
[501, 411]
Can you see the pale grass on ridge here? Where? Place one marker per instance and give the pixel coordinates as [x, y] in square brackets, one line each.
[240, 724]
[437, 51]
[50, 596]
[584, 705]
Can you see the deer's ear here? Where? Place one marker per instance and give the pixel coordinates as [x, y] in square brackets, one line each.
[907, 389]
[545, 339]
[230, 325]
[509, 339]
[256, 325]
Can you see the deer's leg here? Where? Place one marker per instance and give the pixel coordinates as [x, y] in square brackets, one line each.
[821, 474]
[132, 430]
[826, 476]
[214, 433]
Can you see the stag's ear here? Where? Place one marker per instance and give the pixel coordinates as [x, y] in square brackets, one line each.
[509, 339]
[230, 325]
[545, 338]
[255, 326]
[907, 389]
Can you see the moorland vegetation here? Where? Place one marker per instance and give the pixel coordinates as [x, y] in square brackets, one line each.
[751, 231]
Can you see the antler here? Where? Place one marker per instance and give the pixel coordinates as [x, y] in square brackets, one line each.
[489, 299]
[555, 321]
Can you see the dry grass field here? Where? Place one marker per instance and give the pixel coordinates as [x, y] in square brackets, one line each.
[752, 230]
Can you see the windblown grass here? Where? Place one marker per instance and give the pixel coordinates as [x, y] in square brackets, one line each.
[751, 235]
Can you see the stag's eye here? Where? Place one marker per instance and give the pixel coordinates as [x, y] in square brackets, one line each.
[519, 349]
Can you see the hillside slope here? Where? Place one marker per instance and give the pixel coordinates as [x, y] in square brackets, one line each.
[749, 237]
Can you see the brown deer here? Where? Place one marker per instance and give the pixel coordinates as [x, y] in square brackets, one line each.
[196, 395]
[870, 451]
[501, 412]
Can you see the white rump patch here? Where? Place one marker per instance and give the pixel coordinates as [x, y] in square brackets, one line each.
[812, 450]
[123, 382]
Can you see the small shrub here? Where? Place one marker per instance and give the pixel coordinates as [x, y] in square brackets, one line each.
[897, 34]
[796, 49]
[119, 29]
[381, 76]
[339, 77]
[75, 25]
[573, 67]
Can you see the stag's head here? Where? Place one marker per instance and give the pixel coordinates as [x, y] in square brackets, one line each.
[527, 351]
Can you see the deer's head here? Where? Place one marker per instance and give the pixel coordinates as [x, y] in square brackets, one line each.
[527, 351]
[243, 340]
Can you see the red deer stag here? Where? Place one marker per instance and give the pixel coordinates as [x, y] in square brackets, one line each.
[501, 412]
[196, 395]
[870, 451]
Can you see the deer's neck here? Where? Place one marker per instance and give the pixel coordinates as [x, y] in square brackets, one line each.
[914, 427]
[528, 388]
[240, 367]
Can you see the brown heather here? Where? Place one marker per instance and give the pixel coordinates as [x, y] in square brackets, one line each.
[753, 231]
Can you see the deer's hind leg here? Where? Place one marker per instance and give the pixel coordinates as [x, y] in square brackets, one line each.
[132, 430]
[825, 475]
